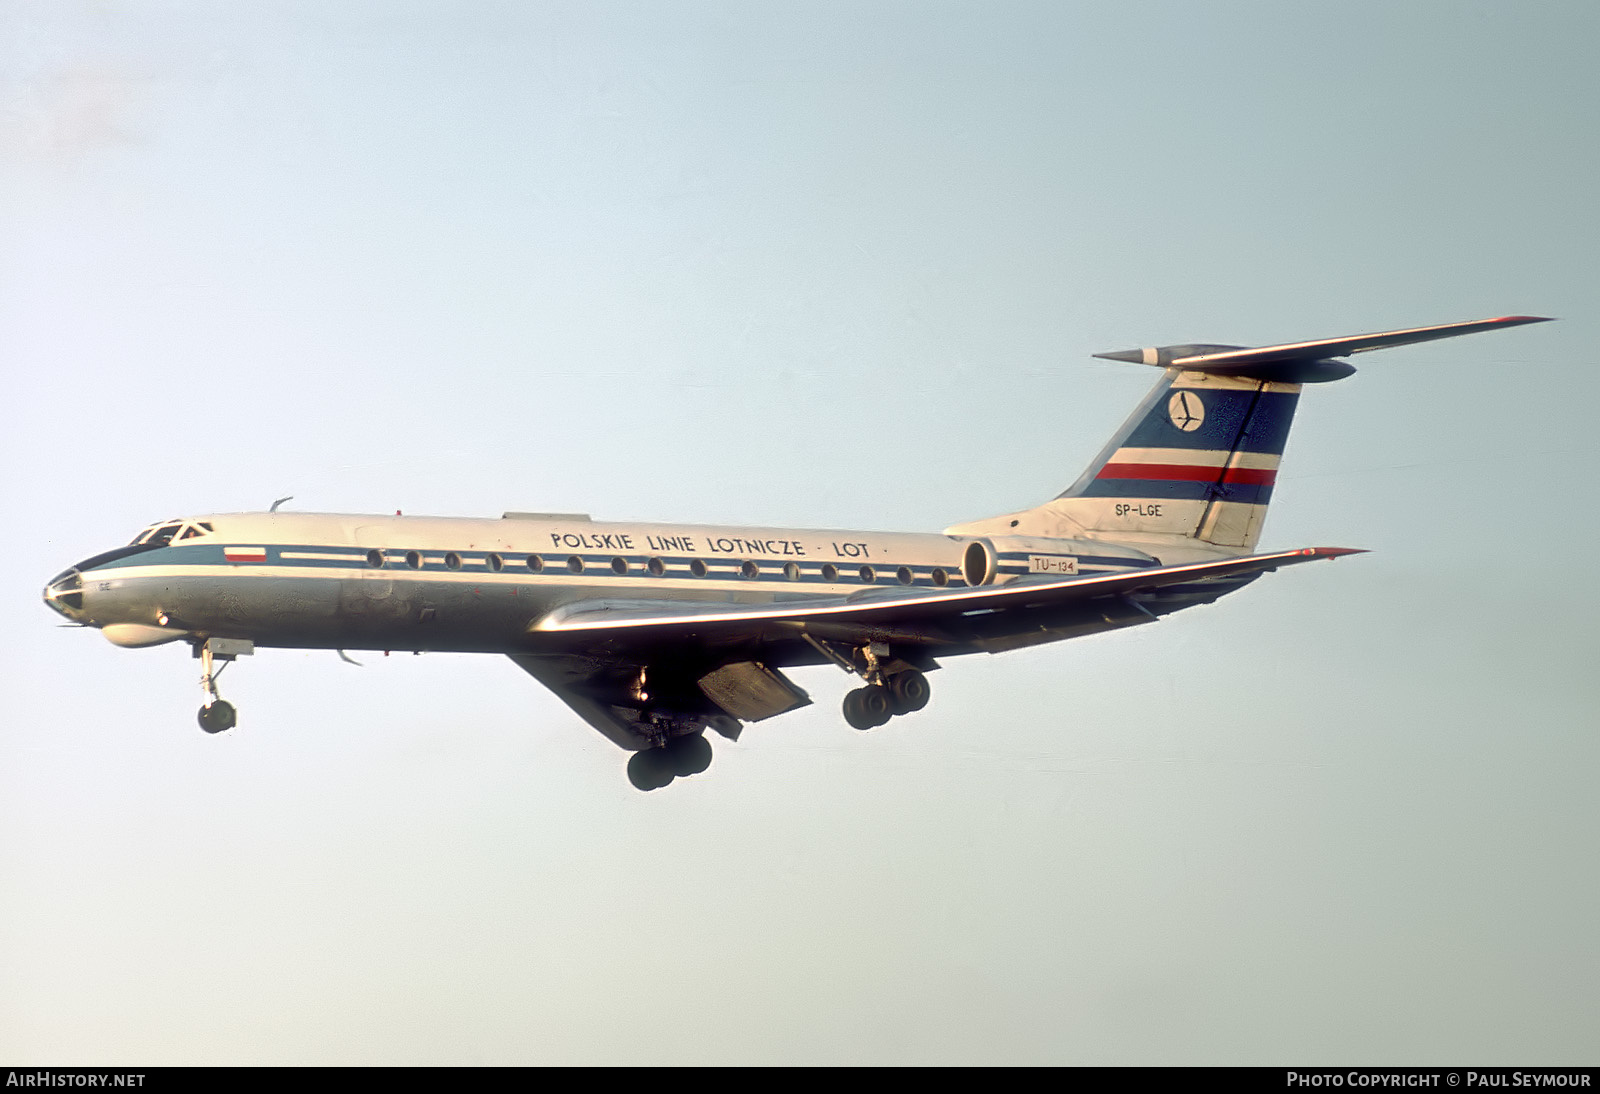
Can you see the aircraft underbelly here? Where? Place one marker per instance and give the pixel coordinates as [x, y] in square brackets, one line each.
[323, 613]
[301, 609]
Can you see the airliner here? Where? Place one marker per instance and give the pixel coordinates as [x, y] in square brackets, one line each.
[656, 633]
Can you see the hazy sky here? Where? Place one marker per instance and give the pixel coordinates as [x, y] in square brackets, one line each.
[824, 265]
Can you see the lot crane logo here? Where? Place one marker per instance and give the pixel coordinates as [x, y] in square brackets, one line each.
[1186, 411]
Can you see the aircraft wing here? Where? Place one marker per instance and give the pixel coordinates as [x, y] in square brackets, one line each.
[610, 660]
[898, 609]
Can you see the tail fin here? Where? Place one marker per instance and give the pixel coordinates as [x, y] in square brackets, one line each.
[1198, 458]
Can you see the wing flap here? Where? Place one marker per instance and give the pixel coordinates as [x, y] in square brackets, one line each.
[752, 692]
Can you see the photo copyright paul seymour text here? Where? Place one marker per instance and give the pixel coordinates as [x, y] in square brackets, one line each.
[1475, 1080]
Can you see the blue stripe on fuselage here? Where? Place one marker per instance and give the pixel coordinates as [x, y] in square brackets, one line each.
[515, 564]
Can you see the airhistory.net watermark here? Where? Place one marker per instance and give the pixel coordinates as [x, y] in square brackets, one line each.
[74, 1078]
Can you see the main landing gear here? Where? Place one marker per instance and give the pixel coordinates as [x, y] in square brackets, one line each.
[894, 686]
[218, 714]
[898, 693]
[655, 767]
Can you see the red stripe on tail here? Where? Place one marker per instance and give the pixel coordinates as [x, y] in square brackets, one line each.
[1183, 472]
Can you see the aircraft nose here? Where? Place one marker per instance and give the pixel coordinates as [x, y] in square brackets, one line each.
[65, 594]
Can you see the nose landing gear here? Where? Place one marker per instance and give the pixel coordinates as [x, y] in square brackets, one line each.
[218, 714]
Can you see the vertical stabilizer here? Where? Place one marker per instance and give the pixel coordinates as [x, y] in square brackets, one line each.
[1197, 460]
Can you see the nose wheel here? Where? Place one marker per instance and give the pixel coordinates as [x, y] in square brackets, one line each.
[217, 716]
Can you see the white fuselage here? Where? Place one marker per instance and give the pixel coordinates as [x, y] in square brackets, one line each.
[478, 585]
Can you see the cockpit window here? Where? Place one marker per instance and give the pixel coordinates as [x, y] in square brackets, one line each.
[190, 532]
[158, 535]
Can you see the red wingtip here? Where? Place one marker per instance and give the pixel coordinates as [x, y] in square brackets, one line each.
[1333, 552]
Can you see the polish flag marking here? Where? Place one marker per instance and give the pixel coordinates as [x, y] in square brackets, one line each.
[245, 554]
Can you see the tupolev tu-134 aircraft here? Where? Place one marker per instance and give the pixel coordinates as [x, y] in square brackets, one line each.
[655, 633]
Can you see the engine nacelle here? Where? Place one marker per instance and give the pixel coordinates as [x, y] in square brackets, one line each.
[998, 559]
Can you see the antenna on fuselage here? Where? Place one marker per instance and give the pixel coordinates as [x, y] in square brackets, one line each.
[279, 502]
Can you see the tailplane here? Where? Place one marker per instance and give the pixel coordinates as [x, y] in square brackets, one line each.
[1196, 462]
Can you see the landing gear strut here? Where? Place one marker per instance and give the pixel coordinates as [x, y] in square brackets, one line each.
[218, 714]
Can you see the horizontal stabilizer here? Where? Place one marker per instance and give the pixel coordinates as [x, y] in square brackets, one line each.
[1301, 362]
